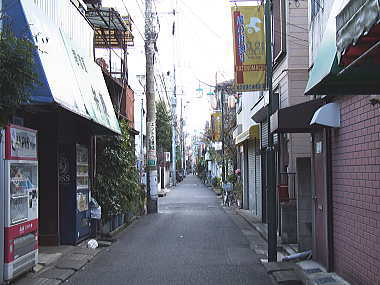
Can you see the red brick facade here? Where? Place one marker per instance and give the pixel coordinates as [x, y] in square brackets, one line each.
[356, 191]
[127, 108]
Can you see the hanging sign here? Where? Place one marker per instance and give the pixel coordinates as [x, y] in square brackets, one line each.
[249, 48]
[216, 126]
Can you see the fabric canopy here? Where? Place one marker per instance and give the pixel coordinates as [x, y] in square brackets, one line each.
[68, 78]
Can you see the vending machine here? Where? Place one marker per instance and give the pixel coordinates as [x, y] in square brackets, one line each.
[75, 219]
[20, 200]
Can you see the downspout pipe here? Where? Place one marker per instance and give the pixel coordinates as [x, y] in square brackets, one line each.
[329, 202]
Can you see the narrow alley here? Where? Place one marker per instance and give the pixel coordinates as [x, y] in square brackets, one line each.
[192, 240]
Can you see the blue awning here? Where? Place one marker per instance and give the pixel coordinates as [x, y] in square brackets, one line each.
[69, 78]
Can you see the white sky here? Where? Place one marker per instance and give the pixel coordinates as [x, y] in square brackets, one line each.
[203, 47]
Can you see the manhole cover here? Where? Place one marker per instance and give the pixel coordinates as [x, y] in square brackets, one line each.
[325, 280]
[312, 270]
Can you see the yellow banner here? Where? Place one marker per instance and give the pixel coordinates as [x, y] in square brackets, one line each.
[249, 48]
[216, 126]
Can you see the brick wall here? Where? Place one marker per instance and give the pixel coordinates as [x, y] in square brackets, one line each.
[127, 108]
[356, 191]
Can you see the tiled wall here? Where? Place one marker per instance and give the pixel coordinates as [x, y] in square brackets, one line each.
[356, 191]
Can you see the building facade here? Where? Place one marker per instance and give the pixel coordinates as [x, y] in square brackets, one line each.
[68, 109]
[345, 138]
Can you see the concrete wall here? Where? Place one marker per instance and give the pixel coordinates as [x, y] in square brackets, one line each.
[317, 26]
[248, 101]
[356, 191]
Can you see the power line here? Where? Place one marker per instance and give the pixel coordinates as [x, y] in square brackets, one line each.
[142, 13]
[201, 20]
[125, 6]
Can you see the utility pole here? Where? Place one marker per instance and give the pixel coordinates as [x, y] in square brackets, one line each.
[174, 122]
[271, 177]
[223, 160]
[174, 110]
[150, 38]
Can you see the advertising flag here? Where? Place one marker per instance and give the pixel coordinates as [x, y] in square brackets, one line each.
[249, 48]
[216, 126]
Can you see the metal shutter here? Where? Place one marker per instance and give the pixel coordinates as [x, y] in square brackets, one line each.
[251, 177]
[258, 185]
[264, 134]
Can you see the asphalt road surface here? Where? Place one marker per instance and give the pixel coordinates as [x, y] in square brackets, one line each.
[192, 240]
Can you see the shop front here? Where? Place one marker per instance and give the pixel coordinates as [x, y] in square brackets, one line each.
[345, 141]
[69, 107]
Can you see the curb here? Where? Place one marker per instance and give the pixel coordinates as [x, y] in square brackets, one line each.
[287, 250]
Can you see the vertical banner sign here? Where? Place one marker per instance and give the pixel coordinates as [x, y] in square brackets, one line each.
[152, 155]
[216, 126]
[249, 48]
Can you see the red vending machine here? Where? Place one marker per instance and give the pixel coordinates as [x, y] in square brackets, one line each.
[20, 201]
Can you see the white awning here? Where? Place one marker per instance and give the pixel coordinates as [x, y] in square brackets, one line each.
[355, 19]
[328, 115]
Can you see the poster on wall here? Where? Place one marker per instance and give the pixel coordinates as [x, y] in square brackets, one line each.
[249, 48]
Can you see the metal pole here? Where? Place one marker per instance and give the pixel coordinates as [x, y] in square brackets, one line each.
[271, 177]
[150, 38]
[223, 161]
[2, 186]
[182, 140]
[142, 140]
[2, 207]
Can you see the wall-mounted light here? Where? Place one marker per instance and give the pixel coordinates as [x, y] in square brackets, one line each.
[374, 99]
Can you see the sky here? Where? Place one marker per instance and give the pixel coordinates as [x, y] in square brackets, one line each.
[201, 50]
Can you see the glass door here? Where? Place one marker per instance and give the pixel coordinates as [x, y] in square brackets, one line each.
[82, 191]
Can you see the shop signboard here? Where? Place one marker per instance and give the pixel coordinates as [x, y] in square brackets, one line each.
[249, 48]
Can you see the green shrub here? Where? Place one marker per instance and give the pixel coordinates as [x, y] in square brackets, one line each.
[117, 188]
[216, 182]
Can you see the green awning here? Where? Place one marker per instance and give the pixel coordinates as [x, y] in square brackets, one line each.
[326, 61]
[327, 77]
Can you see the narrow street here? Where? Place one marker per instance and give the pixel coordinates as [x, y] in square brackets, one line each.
[192, 240]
